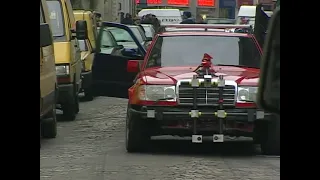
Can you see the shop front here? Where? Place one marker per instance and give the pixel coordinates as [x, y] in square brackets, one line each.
[227, 9]
[245, 2]
[207, 8]
[163, 4]
[268, 5]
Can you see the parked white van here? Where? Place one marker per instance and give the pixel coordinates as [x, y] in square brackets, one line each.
[246, 15]
[166, 16]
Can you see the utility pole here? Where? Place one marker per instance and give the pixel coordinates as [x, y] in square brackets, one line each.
[193, 7]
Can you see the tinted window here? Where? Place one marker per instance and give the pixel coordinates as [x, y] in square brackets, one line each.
[56, 17]
[189, 50]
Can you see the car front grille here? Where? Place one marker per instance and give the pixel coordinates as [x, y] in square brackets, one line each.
[206, 96]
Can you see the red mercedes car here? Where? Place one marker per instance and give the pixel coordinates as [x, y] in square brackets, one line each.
[196, 81]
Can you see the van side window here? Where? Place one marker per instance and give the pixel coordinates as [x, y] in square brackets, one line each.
[41, 15]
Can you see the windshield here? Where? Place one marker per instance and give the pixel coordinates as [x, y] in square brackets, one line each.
[56, 17]
[137, 33]
[148, 31]
[83, 45]
[189, 50]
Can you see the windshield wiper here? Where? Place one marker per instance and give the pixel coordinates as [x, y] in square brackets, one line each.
[236, 65]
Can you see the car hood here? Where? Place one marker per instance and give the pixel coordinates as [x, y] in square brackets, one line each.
[170, 75]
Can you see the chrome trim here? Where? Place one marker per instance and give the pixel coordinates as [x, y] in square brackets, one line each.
[227, 82]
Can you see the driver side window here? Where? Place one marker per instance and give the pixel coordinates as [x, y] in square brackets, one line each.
[155, 55]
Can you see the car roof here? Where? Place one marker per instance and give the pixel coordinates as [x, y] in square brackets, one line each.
[205, 33]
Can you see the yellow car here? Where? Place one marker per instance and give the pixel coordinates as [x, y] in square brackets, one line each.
[87, 48]
[48, 79]
[66, 33]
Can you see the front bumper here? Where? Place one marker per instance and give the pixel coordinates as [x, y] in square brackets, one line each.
[86, 80]
[177, 121]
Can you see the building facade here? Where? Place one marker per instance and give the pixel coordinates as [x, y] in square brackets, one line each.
[202, 7]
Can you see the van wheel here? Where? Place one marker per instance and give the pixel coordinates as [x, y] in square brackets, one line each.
[77, 104]
[88, 94]
[69, 110]
[49, 125]
[270, 143]
[40, 134]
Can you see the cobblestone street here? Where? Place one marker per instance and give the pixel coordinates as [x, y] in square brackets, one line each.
[92, 148]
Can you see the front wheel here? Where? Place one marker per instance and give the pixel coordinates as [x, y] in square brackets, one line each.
[49, 125]
[270, 143]
[70, 109]
[137, 137]
[88, 94]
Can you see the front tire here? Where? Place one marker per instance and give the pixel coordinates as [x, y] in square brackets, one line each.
[137, 137]
[49, 125]
[88, 94]
[70, 109]
[270, 144]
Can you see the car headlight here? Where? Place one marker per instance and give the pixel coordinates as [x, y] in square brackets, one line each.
[157, 92]
[62, 70]
[247, 94]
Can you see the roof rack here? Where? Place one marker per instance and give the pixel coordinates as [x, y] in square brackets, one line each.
[208, 27]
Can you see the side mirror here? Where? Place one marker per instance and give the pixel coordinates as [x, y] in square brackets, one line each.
[149, 38]
[81, 30]
[45, 35]
[133, 66]
[269, 84]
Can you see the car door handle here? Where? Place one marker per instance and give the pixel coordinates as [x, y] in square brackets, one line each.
[75, 45]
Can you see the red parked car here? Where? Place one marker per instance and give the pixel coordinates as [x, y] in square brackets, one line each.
[198, 83]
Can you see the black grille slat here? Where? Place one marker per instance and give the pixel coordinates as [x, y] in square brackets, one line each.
[206, 96]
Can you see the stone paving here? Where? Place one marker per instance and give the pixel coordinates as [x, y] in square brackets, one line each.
[92, 148]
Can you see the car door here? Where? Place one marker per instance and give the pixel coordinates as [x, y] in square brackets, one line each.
[109, 71]
[261, 24]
